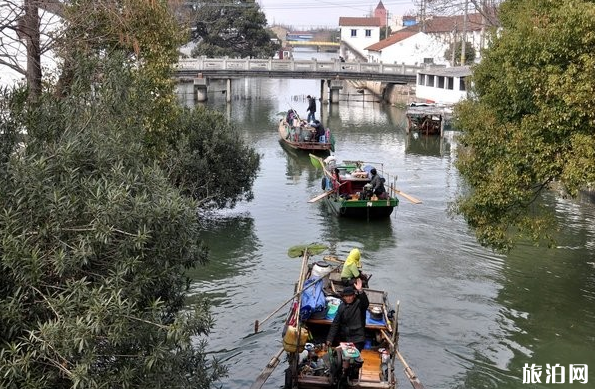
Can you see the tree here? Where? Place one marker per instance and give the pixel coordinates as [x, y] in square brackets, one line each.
[213, 150]
[469, 53]
[531, 124]
[96, 240]
[26, 34]
[95, 247]
[234, 28]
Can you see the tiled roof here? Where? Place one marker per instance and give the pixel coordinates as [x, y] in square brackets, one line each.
[380, 5]
[441, 24]
[366, 22]
[391, 40]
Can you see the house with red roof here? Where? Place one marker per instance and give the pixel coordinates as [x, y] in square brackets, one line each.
[449, 29]
[357, 34]
[409, 48]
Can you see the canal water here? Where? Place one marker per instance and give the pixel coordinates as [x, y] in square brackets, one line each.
[469, 318]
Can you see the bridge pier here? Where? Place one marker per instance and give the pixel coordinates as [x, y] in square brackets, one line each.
[228, 91]
[200, 89]
[335, 87]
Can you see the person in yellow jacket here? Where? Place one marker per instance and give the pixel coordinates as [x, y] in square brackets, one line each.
[352, 269]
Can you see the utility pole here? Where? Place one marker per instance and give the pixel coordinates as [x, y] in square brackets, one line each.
[464, 40]
[422, 16]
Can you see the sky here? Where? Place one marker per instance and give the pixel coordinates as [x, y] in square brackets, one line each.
[307, 14]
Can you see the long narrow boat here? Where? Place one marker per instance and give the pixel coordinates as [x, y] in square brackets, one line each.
[299, 135]
[350, 195]
[311, 365]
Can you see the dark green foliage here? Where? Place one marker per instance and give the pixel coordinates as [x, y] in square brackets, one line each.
[233, 28]
[212, 161]
[469, 53]
[532, 123]
[95, 245]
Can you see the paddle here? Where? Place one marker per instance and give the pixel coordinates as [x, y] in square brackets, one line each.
[258, 323]
[293, 252]
[323, 195]
[415, 382]
[320, 196]
[408, 197]
[266, 372]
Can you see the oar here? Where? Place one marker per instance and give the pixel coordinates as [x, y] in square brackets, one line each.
[258, 323]
[410, 373]
[323, 195]
[408, 197]
[267, 371]
[320, 196]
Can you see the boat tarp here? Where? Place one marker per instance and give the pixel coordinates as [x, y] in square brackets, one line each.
[313, 299]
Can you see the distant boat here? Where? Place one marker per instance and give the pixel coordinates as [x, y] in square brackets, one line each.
[299, 135]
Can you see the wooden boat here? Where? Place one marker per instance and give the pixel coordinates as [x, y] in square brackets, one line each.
[350, 196]
[311, 365]
[426, 118]
[299, 135]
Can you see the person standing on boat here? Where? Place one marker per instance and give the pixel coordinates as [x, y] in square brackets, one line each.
[377, 183]
[350, 321]
[352, 269]
[311, 109]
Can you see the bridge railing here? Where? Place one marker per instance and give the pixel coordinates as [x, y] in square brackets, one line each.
[203, 63]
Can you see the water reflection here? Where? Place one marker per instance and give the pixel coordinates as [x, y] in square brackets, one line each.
[227, 255]
[431, 146]
[298, 163]
[343, 234]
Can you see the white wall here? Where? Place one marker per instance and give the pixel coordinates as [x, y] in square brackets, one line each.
[361, 41]
[441, 95]
[412, 51]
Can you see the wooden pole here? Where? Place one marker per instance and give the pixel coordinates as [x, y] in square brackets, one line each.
[266, 372]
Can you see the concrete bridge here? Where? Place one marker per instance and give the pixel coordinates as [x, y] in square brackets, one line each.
[331, 73]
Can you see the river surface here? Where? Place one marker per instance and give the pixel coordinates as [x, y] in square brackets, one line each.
[469, 318]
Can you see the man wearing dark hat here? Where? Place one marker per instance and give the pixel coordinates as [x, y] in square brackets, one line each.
[350, 320]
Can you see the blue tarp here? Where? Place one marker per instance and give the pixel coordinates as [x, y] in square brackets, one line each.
[313, 299]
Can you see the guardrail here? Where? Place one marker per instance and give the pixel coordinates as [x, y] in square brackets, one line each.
[283, 65]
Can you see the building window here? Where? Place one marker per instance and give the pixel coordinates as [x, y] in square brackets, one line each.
[420, 79]
[428, 60]
[440, 82]
[353, 33]
[449, 83]
[462, 85]
[431, 80]
[368, 33]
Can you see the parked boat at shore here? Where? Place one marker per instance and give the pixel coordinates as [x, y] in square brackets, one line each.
[427, 118]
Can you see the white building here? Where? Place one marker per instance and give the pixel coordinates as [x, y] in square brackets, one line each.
[442, 85]
[357, 34]
[409, 48]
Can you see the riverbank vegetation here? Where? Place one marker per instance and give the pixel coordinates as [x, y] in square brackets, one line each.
[103, 179]
[531, 123]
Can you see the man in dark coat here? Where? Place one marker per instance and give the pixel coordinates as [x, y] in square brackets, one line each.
[350, 320]
[311, 109]
[377, 183]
